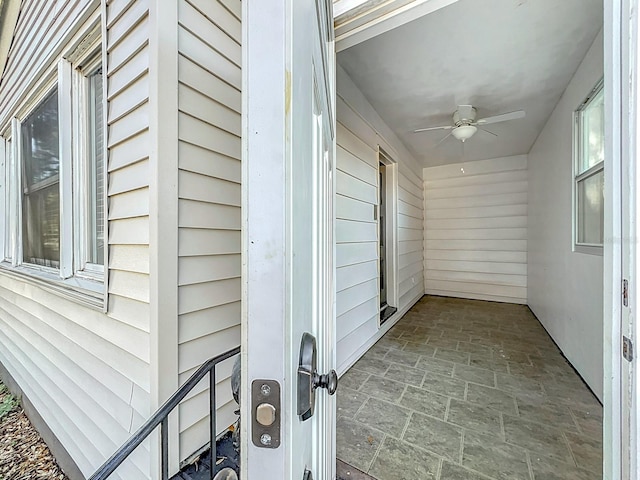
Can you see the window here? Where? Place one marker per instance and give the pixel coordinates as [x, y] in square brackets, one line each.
[54, 168]
[8, 196]
[589, 173]
[95, 237]
[90, 169]
[41, 185]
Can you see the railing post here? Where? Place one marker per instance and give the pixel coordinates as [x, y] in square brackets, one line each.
[213, 451]
[164, 433]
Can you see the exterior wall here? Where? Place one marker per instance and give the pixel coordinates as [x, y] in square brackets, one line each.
[86, 372]
[360, 131]
[209, 127]
[476, 229]
[565, 288]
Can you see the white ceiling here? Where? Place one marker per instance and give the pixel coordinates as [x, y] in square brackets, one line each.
[497, 55]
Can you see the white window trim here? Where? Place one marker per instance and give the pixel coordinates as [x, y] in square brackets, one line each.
[4, 158]
[82, 267]
[581, 247]
[87, 284]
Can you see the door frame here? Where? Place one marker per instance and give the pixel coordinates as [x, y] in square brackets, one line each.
[273, 100]
[622, 129]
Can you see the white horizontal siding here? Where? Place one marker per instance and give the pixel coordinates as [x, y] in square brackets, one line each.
[357, 304]
[86, 372]
[209, 35]
[476, 229]
[410, 236]
[357, 253]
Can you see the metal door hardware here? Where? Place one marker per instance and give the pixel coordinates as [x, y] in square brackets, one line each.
[307, 475]
[309, 379]
[625, 292]
[265, 413]
[627, 349]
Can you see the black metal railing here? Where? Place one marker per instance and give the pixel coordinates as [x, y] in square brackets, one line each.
[159, 418]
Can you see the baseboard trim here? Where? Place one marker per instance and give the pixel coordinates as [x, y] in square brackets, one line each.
[64, 460]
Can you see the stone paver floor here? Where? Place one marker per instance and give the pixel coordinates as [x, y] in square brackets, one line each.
[468, 390]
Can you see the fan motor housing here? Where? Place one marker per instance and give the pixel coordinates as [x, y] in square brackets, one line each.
[457, 120]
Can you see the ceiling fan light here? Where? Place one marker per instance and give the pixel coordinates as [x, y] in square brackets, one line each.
[464, 132]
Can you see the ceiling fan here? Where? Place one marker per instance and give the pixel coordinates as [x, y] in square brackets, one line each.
[465, 124]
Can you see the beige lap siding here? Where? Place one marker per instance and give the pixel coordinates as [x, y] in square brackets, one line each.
[209, 66]
[87, 373]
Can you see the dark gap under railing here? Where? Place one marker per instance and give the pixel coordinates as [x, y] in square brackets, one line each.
[159, 418]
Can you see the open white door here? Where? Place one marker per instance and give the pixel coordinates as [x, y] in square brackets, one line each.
[288, 240]
[622, 228]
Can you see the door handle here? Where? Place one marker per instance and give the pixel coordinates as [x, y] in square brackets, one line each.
[308, 378]
[328, 381]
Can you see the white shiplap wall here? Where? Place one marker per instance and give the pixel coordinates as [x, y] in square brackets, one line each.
[209, 123]
[360, 132]
[357, 304]
[87, 373]
[476, 229]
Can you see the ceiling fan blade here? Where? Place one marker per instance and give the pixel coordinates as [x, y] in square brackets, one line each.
[443, 127]
[442, 140]
[503, 117]
[487, 131]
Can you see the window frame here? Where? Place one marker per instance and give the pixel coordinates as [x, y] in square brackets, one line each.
[76, 278]
[580, 176]
[81, 164]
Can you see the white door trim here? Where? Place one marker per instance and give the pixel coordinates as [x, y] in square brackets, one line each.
[622, 131]
[265, 261]
[288, 148]
[612, 247]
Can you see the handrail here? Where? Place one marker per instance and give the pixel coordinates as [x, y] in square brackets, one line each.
[159, 418]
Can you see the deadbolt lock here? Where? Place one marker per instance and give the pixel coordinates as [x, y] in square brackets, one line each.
[265, 414]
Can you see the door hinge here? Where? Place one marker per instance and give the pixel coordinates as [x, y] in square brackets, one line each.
[627, 349]
[625, 292]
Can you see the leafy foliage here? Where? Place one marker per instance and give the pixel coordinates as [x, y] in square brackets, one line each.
[7, 401]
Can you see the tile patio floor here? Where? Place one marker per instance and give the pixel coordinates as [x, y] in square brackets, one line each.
[468, 390]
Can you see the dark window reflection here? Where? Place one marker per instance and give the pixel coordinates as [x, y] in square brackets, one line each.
[40, 183]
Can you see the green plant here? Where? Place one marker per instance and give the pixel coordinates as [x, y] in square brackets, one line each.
[8, 402]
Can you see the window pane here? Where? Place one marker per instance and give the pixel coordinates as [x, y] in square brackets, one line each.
[96, 180]
[590, 209]
[8, 174]
[41, 195]
[592, 132]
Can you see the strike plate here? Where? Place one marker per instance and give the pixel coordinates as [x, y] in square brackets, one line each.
[265, 392]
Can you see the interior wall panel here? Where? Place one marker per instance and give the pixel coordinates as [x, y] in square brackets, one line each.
[475, 236]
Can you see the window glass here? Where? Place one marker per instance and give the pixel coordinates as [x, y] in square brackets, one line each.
[589, 176]
[8, 172]
[592, 126]
[95, 232]
[590, 209]
[40, 184]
